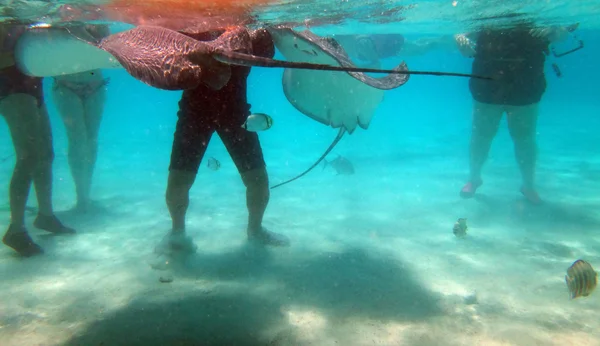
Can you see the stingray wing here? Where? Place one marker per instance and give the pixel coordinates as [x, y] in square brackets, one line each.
[288, 40]
[340, 100]
[166, 59]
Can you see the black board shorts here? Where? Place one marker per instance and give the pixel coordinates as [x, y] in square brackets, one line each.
[13, 81]
[196, 125]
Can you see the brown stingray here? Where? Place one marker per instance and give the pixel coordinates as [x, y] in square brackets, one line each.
[170, 60]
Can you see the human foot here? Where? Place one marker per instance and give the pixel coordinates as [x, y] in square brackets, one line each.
[470, 188]
[175, 242]
[51, 224]
[19, 240]
[531, 195]
[266, 237]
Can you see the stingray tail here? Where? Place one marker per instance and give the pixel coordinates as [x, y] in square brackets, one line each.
[331, 146]
[236, 58]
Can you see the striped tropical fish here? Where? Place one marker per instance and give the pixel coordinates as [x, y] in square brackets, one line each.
[581, 279]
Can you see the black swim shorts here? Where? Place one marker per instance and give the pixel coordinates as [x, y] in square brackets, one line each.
[195, 126]
[13, 81]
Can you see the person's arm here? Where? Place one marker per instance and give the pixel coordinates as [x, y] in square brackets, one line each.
[425, 45]
[262, 43]
[465, 45]
[552, 34]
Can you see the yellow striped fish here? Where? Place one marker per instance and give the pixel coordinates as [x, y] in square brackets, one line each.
[581, 279]
[257, 122]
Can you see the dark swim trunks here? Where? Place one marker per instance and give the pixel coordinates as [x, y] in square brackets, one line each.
[13, 81]
[196, 126]
[202, 111]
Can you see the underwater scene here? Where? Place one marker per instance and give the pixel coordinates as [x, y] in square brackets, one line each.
[314, 172]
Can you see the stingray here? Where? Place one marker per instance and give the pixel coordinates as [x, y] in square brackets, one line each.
[339, 100]
[319, 78]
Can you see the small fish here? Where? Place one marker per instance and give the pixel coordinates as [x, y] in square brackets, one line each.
[213, 164]
[460, 227]
[257, 122]
[341, 165]
[581, 279]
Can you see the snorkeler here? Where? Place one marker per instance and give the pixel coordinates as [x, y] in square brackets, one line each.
[515, 59]
[370, 49]
[80, 98]
[22, 105]
[203, 111]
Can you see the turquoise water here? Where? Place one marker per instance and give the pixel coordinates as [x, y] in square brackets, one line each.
[373, 259]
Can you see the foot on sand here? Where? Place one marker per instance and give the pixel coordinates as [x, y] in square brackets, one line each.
[265, 237]
[175, 243]
[17, 238]
[531, 195]
[470, 188]
[52, 224]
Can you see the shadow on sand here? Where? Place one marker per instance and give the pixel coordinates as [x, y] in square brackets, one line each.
[353, 284]
[548, 215]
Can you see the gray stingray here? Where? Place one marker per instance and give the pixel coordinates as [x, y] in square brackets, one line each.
[319, 78]
[339, 100]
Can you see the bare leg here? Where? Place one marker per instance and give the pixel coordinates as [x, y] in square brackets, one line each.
[22, 116]
[94, 107]
[257, 199]
[486, 119]
[42, 175]
[178, 197]
[81, 118]
[32, 140]
[522, 122]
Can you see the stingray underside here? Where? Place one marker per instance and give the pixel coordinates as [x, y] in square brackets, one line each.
[340, 100]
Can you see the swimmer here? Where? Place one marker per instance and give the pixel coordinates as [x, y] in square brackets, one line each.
[370, 49]
[80, 98]
[23, 107]
[204, 111]
[515, 57]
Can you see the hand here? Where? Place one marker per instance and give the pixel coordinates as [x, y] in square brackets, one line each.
[464, 45]
[553, 34]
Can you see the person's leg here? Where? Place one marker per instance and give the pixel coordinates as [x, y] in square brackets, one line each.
[178, 197]
[522, 124]
[94, 108]
[191, 138]
[246, 152]
[257, 197]
[192, 135]
[32, 141]
[486, 118]
[42, 176]
[20, 112]
[72, 110]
